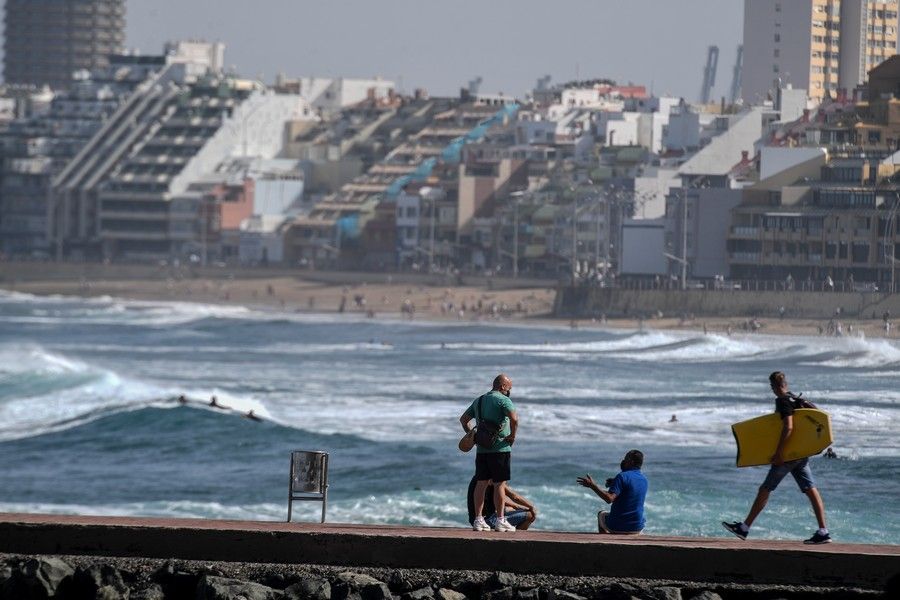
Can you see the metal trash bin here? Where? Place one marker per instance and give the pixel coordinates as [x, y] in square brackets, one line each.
[309, 479]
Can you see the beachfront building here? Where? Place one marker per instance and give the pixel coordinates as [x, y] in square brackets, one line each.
[330, 95]
[37, 147]
[832, 217]
[816, 45]
[698, 212]
[47, 41]
[126, 194]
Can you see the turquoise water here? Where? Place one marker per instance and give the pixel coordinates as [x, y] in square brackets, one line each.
[89, 423]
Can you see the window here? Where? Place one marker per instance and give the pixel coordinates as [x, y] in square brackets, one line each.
[777, 37]
[777, 53]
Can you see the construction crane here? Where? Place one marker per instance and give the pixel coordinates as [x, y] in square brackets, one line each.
[709, 73]
[738, 73]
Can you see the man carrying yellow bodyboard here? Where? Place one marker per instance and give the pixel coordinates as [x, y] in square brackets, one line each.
[785, 404]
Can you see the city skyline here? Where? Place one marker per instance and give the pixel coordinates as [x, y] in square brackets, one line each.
[441, 50]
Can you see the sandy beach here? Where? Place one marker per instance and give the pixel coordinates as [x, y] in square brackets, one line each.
[466, 303]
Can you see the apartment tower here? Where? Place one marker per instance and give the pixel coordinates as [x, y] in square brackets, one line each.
[47, 40]
[817, 45]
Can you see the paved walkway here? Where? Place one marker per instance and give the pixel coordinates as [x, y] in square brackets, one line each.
[697, 559]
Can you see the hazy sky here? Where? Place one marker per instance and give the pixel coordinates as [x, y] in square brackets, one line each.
[441, 45]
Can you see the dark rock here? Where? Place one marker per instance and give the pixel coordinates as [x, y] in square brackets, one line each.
[425, 593]
[558, 594]
[399, 583]
[100, 582]
[532, 594]
[211, 587]
[175, 582]
[154, 592]
[448, 594]
[619, 591]
[500, 580]
[506, 593]
[472, 589]
[707, 595]
[274, 580]
[664, 593]
[38, 578]
[341, 590]
[357, 580]
[376, 591]
[313, 588]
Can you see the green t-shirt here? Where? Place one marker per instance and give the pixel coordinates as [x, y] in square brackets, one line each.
[494, 407]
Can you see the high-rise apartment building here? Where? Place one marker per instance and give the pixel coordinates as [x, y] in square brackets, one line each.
[874, 39]
[47, 40]
[817, 45]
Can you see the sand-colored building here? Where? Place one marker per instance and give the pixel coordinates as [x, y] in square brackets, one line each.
[817, 45]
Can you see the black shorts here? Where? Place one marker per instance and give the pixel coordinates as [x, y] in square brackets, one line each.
[493, 466]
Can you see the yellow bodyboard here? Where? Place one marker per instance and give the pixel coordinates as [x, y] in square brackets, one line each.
[757, 438]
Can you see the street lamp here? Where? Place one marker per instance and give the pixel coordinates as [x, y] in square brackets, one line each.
[431, 194]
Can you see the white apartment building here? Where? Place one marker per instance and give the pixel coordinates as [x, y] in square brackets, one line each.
[817, 45]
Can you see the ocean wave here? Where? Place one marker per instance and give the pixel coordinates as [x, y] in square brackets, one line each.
[43, 392]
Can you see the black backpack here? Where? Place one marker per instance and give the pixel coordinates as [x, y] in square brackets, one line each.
[486, 432]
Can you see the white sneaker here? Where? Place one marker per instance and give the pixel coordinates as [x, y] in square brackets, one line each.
[502, 524]
[479, 524]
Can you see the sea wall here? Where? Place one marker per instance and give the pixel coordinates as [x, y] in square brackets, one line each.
[590, 302]
[710, 563]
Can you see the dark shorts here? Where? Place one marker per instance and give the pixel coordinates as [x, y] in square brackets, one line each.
[798, 468]
[493, 466]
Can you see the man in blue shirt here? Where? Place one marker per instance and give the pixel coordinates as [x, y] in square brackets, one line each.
[626, 493]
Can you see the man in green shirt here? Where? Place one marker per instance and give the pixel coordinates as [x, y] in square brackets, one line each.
[493, 464]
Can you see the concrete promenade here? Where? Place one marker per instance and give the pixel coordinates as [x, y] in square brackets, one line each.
[647, 557]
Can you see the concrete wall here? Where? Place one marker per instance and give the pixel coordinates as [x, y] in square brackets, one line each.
[589, 302]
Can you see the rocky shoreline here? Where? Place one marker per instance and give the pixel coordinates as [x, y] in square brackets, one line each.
[109, 578]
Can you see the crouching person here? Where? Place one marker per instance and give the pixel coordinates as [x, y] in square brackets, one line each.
[626, 493]
[520, 512]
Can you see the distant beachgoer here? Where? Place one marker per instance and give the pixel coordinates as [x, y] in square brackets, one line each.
[785, 404]
[830, 453]
[182, 399]
[626, 493]
[674, 419]
[342, 304]
[492, 463]
[520, 513]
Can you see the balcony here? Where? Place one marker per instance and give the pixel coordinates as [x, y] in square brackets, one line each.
[745, 257]
[745, 231]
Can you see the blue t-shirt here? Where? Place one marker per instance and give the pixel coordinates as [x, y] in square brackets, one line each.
[627, 512]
